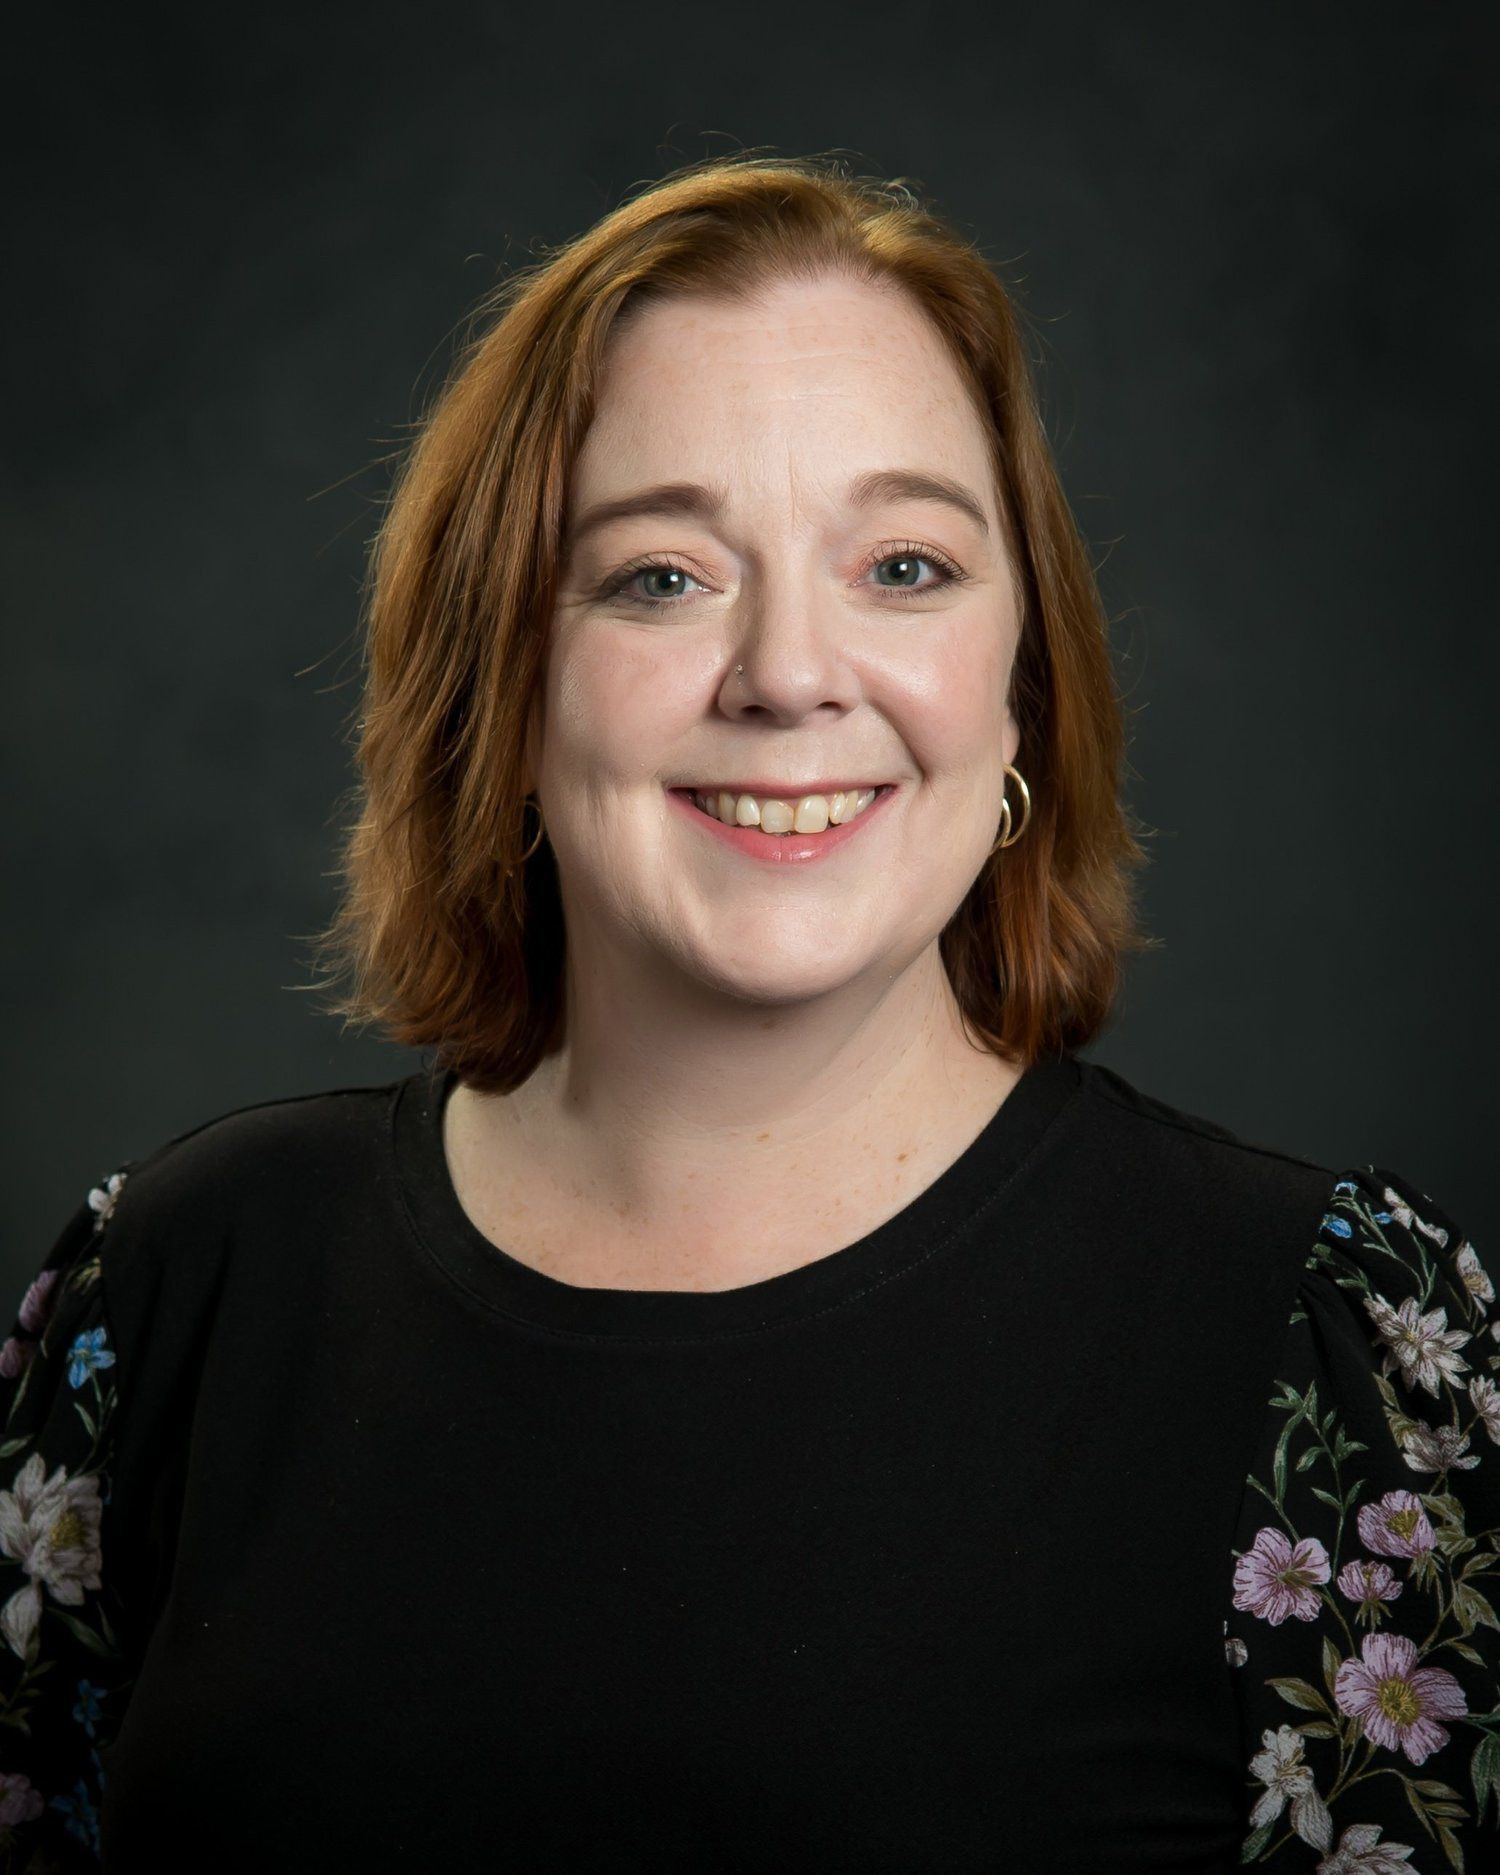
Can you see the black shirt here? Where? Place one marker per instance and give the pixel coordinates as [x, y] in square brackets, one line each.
[1121, 1498]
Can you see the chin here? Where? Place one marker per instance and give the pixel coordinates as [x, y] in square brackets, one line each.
[772, 983]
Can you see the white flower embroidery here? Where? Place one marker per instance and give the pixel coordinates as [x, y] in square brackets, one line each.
[1361, 1852]
[1403, 1214]
[50, 1526]
[1281, 1769]
[1475, 1277]
[102, 1198]
[1437, 1448]
[1486, 1402]
[1423, 1346]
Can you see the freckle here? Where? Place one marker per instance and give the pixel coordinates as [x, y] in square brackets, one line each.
[901, 1157]
[762, 1136]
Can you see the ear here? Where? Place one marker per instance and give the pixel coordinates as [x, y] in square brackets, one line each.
[1010, 737]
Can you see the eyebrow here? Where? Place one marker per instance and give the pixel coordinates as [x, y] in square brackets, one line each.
[701, 503]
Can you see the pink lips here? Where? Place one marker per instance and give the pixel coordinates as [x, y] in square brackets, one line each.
[779, 849]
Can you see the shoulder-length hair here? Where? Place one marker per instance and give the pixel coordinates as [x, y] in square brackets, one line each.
[447, 939]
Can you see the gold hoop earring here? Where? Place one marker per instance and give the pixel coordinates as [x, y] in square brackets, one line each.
[530, 801]
[1008, 838]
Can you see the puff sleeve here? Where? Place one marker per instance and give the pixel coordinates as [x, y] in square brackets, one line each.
[1361, 1637]
[63, 1672]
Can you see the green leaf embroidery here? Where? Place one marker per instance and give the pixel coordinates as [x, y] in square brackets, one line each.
[84, 1633]
[1298, 1693]
[1484, 1774]
[1255, 1842]
[1331, 1664]
[1451, 1847]
[1472, 1608]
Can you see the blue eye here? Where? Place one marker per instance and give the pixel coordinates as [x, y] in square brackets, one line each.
[912, 558]
[637, 572]
[905, 554]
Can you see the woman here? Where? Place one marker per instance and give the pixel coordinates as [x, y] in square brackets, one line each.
[760, 1399]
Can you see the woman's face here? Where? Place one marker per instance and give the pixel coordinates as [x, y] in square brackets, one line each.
[876, 623]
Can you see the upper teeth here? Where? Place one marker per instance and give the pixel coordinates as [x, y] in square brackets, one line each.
[810, 813]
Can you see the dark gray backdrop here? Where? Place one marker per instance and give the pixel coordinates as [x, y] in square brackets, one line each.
[1256, 250]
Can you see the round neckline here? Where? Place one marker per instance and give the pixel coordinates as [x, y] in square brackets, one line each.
[996, 1155]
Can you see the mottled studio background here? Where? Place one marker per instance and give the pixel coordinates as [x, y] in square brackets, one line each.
[1255, 246]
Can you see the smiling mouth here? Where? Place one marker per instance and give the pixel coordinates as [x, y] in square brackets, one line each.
[779, 815]
[784, 845]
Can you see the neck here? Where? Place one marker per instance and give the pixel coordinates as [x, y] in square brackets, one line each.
[716, 1138]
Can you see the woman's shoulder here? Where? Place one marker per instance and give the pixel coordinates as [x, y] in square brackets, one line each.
[1277, 1224]
[1167, 1131]
[247, 1155]
[1393, 1298]
[133, 1278]
[1196, 1183]
[1395, 1278]
[246, 1188]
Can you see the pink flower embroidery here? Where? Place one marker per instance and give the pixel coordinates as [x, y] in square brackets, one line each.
[1396, 1701]
[15, 1357]
[36, 1304]
[1274, 1579]
[1371, 1584]
[19, 1802]
[1396, 1526]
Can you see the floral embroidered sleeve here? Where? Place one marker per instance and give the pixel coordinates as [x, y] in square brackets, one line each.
[63, 1673]
[1363, 1640]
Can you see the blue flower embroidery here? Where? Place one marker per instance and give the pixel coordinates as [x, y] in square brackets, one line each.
[87, 1353]
[87, 1709]
[83, 1818]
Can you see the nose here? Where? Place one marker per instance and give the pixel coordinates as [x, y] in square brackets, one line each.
[788, 662]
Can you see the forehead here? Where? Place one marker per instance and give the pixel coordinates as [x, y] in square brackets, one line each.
[812, 379]
[789, 326]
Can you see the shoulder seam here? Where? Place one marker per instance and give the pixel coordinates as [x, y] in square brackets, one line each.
[383, 1089]
[1206, 1131]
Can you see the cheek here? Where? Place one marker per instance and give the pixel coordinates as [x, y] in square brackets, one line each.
[620, 704]
[946, 694]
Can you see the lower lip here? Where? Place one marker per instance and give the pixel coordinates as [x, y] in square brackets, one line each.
[781, 849]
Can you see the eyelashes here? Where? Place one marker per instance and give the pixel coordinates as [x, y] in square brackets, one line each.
[951, 575]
